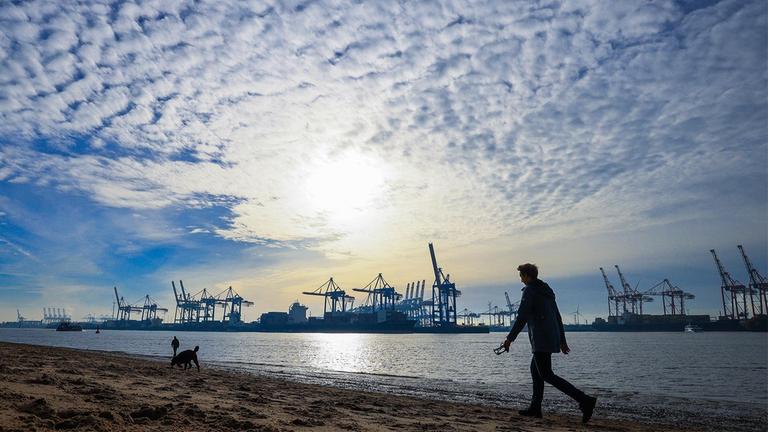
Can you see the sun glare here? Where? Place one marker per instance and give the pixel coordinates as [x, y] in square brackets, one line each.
[345, 186]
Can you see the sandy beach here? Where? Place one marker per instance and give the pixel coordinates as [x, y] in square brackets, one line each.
[47, 388]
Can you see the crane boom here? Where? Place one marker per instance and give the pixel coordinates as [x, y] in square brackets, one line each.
[434, 265]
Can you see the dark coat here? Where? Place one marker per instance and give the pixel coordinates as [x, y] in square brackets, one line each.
[539, 310]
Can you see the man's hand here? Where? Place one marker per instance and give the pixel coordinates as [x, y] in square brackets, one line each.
[564, 348]
[506, 344]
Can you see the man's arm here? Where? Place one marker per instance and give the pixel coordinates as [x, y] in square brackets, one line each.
[563, 344]
[523, 312]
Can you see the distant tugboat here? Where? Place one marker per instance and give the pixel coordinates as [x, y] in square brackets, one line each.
[66, 326]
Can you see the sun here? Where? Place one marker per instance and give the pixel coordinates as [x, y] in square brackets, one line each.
[345, 185]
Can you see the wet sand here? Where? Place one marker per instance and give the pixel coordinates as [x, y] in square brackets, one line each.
[49, 388]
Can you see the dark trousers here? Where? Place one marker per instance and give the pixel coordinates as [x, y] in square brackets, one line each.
[541, 372]
[174, 351]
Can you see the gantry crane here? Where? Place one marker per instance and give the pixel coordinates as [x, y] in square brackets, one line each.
[758, 283]
[636, 299]
[512, 308]
[669, 294]
[125, 309]
[444, 295]
[336, 299]
[733, 308]
[150, 309]
[381, 295]
[468, 317]
[613, 296]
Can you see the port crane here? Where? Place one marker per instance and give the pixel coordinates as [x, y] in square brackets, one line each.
[187, 308]
[613, 296]
[669, 293]
[381, 295]
[758, 283]
[150, 309]
[232, 303]
[495, 316]
[125, 309]
[444, 295]
[201, 306]
[636, 299]
[413, 304]
[336, 299]
[512, 308]
[734, 308]
[468, 317]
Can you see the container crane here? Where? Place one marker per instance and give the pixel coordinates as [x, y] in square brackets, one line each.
[444, 295]
[733, 308]
[613, 296]
[381, 295]
[758, 283]
[635, 298]
[336, 299]
[512, 308]
[669, 294]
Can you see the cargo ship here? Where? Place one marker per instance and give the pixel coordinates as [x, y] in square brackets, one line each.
[67, 326]
[296, 321]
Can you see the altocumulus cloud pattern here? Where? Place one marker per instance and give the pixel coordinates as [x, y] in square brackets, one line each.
[511, 115]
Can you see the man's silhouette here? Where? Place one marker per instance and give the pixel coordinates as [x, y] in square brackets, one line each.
[545, 331]
[186, 358]
[175, 345]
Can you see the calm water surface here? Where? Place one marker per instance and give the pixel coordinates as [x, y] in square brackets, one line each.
[727, 367]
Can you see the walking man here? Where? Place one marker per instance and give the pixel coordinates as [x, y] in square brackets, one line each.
[545, 331]
[175, 345]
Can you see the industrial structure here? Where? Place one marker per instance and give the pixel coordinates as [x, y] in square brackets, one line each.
[413, 304]
[202, 306]
[336, 299]
[733, 293]
[55, 315]
[444, 295]
[758, 284]
[744, 307]
[381, 295]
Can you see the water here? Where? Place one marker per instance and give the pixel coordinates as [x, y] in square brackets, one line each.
[652, 370]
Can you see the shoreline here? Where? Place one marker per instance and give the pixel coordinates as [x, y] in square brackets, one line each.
[51, 388]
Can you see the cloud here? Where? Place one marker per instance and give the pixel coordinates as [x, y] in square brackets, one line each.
[484, 120]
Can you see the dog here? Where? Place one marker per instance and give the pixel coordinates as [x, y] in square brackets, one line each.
[185, 359]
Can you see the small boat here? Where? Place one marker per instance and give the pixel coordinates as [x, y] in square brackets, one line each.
[98, 330]
[66, 326]
[690, 328]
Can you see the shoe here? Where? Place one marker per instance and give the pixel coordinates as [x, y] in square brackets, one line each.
[530, 412]
[587, 407]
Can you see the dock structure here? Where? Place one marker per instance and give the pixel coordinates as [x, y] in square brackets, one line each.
[413, 304]
[632, 295]
[733, 293]
[146, 308]
[201, 307]
[444, 295]
[672, 297]
[55, 315]
[381, 295]
[758, 284]
[468, 317]
[614, 297]
[511, 308]
[337, 300]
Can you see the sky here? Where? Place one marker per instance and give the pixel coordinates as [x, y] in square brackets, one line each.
[268, 146]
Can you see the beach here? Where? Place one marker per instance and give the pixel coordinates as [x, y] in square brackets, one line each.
[50, 388]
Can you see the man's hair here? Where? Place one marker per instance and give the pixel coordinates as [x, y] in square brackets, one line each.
[529, 270]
